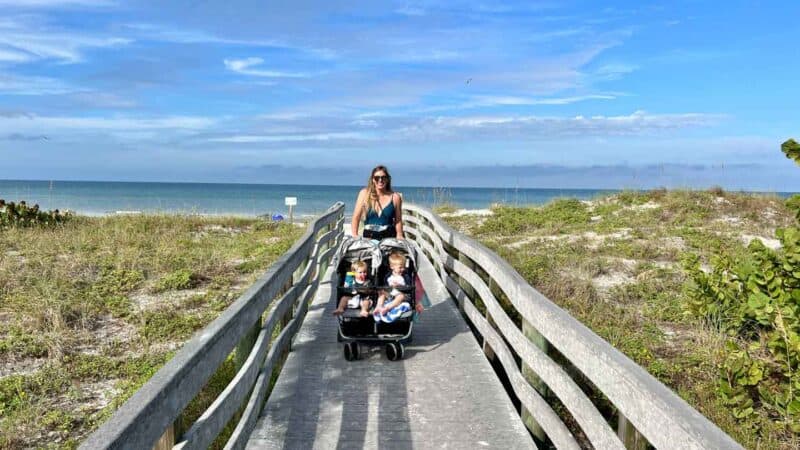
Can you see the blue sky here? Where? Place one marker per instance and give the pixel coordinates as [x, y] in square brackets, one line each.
[458, 93]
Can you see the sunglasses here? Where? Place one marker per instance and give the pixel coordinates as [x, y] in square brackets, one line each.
[381, 178]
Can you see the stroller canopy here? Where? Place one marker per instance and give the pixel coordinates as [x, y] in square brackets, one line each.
[389, 245]
[360, 249]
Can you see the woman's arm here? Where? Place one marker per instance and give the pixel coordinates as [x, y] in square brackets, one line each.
[398, 215]
[358, 211]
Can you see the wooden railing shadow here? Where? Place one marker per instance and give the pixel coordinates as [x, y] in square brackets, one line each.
[520, 331]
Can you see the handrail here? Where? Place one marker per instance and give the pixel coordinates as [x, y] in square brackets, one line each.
[663, 418]
[144, 418]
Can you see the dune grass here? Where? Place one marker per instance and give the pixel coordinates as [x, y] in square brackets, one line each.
[91, 308]
[615, 263]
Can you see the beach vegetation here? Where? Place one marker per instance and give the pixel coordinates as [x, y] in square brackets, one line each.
[791, 149]
[618, 264]
[91, 308]
[21, 215]
[178, 280]
[754, 298]
[561, 215]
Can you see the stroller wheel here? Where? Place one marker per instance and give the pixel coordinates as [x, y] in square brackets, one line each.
[394, 351]
[351, 351]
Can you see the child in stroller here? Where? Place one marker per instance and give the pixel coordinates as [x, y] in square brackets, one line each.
[359, 281]
[397, 278]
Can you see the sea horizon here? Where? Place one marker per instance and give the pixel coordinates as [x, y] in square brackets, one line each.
[97, 198]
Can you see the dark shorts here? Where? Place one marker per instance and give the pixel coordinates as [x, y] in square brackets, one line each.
[378, 235]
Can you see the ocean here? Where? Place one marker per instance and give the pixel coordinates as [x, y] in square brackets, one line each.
[101, 197]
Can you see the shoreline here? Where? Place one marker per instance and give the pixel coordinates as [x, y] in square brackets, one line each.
[119, 213]
[409, 188]
[298, 218]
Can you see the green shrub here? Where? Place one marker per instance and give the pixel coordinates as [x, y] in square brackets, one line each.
[178, 280]
[160, 326]
[791, 149]
[756, 300]
[793, 203]
[21, 215]
[21, 343]
[556, 215]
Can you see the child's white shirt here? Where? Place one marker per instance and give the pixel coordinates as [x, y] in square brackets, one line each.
[395, 280]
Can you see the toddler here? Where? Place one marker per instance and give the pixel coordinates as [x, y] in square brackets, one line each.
[397, 278]
[360, 280]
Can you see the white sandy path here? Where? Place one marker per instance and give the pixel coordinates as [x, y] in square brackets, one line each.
[595, 239]
[774, 244]
[468, 212]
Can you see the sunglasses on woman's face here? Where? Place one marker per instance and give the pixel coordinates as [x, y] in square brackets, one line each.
[380, 178]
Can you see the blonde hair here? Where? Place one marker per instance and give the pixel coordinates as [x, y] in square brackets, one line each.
[397, 258]
[372, 192]
[358, 265]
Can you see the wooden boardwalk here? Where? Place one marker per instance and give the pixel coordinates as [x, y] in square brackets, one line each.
[444, 394]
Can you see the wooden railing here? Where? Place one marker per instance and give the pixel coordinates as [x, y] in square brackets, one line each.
[648, 412]
[280, 297]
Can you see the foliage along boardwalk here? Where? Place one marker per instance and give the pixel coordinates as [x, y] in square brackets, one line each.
[443, 394]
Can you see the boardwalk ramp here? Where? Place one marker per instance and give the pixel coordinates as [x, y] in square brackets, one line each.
[430, 399]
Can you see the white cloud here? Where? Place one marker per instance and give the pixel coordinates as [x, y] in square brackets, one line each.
[238, 65]
[35, 41]
[412, 55]
[13, 56]
[409, 10]
[492, 100]
[153, 32]
[72, 125]
[614, 71]
[169, 33]
[249, 139]
[16, 85]
[54, 3]
[103, 100]
[287, 131]
[244, 67]
[489, 128]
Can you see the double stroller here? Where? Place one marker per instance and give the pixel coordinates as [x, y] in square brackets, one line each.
[355, 330]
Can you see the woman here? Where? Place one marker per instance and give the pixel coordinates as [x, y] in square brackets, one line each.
[382, 207]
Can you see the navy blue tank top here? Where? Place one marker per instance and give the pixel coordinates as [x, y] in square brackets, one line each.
[386, 217]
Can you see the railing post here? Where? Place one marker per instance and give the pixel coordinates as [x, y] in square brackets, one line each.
[473, 295]
[465, 286]
[629, 436]
[168, 439]
[245, 345]
[323, 265]
[284, 321]
[534, 380]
